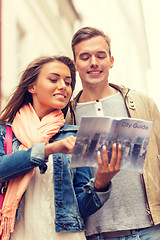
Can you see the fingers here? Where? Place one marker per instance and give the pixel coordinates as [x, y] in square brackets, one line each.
[119, 155]
[105, 156]
[69, 143]
[106, 171]
[64, 146]
[99, 159]
[116, 157]
[104, 162]
[115, 160]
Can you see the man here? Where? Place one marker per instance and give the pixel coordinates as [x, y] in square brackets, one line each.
[133, 208]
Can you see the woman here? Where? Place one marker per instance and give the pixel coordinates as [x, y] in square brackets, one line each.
[40, 181]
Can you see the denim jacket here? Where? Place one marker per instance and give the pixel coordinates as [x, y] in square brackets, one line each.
[75, 197]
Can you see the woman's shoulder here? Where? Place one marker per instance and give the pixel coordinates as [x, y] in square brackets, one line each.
[65, 131]
[2, 130]
[2, 127]
[67, 128]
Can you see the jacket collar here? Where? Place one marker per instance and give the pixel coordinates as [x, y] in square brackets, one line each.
[66, 128]
[121, 89]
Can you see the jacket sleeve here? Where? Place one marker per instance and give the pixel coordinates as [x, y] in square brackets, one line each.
[145, 108]
[156, 124]
[21, 162]
[89, 200]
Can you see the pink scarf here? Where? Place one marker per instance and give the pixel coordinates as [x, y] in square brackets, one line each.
[28, 129]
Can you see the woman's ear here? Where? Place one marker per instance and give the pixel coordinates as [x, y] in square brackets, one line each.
[31, 88]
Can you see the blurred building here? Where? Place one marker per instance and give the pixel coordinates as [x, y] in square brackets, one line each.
[123, 21]
[29, 29]
[131, 25]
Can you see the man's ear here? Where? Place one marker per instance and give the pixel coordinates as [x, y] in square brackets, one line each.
[74, 64]
[31, 88]
[111, 61]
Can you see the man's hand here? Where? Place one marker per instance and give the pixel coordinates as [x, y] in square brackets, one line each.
[106, 171]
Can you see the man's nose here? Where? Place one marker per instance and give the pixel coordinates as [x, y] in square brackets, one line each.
[93, 61]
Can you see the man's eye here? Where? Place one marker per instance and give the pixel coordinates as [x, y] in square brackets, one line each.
[85, 57]
[101, 56]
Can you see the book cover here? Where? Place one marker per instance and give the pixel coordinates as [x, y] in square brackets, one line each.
[94, 132]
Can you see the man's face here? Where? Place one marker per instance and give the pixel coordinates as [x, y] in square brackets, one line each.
[93, 61]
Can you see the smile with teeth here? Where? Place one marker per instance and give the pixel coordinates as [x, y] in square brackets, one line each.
[95, 72]
[59, 96]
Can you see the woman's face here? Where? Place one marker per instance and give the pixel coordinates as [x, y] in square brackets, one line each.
[52, 90]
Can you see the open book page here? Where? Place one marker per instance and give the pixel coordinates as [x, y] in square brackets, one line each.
[94, 132]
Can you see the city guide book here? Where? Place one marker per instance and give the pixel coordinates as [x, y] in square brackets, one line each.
[94, 132]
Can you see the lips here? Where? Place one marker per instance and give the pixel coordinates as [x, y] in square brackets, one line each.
[58, 95]
[94, 72]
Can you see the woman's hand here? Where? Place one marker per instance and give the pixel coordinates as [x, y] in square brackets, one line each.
[106, 171]
[64, 146]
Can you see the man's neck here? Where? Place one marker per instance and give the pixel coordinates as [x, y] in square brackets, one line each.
[93, 94]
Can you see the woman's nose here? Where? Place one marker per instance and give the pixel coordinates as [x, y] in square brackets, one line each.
[61, 84]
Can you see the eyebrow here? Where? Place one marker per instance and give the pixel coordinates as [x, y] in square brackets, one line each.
[101, 52]
[85, 53]
[55, 74]
[58, 75]
[81, 54]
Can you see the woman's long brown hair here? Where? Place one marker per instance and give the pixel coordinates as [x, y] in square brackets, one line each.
[21, 96]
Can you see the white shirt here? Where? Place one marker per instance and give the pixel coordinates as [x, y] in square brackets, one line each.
[37, 212]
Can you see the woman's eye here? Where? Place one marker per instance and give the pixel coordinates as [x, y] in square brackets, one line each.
[67, 83]
[53, 80]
